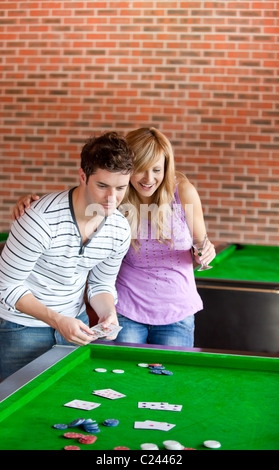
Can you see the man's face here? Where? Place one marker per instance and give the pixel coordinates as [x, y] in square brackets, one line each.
[105, 189]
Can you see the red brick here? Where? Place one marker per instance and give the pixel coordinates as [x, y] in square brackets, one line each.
[202, 72]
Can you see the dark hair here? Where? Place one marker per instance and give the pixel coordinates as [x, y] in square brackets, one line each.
[108, 152]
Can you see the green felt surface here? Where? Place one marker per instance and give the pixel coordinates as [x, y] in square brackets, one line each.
[232, 399]
[3, 237]
[245, 263]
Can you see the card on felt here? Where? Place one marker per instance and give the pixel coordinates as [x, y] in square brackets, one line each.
[165, 406]
[108, 393]
[82, 405]
[157, 425]
[154, 405]
[145, 404]
[166, 426]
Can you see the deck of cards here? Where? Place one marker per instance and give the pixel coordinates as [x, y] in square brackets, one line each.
[155, 405]
[157, 425]
[99, 331]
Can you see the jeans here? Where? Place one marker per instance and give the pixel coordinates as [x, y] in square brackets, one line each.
[21, 344]
[180, 333]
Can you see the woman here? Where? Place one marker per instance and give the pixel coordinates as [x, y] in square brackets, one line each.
[157, 295]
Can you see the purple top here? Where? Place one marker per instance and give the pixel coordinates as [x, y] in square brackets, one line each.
[156, 284]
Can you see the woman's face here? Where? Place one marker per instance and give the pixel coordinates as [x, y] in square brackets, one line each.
[149, 180]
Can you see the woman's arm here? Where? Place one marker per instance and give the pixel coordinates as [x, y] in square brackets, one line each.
[192, 206]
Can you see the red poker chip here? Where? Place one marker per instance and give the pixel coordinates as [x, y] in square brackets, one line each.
[154, 365]
[72, 435]
[87, 439]
[71, 448]
[121, 448]
[188, 448]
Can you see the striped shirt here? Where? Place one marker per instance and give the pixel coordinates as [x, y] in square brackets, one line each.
[44, 255]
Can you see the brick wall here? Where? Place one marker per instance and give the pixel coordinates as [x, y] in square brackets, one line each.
[203, 72]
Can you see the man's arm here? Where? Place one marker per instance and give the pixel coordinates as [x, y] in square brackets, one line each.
[101, 290]
[28, 238]
[72, 329]
[103, 305]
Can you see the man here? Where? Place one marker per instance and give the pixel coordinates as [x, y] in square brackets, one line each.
[62, 241]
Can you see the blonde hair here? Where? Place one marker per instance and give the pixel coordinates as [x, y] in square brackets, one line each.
[148, 145]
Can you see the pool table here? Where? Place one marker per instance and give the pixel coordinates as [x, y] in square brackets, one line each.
[3, 236]
[241, 300]
[229, 398]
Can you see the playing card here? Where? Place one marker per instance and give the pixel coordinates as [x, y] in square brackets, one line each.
[140, 425]
[100, 331]
[82, 405]
[145, 404]
[154, 424]
[165, 426]
[165, 406]
[157, 425]
[108, 393]
[96, 335]
[159, 406]
[147, 424]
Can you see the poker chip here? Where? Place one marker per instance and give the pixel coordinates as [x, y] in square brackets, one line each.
[212, 444]
[156, 367]
[91, 426]
[87, 439]
[71, 448]
[93, 431]
[100, 370]
[90, 421]
[60, 426]
[160, 372]
[121, 448]
[143, 365]
[149, 446]
[118, 371]
[172, 445]
[76, 422]
[111, 422]
[72, 435]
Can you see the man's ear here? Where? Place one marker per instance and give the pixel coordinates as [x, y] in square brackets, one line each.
[82, 176]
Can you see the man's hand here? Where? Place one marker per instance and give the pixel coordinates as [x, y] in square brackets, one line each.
[110, 318]
[103, 305]
[74, 330]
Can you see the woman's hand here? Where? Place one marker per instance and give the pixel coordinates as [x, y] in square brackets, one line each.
[22, 204]
[206, 255]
